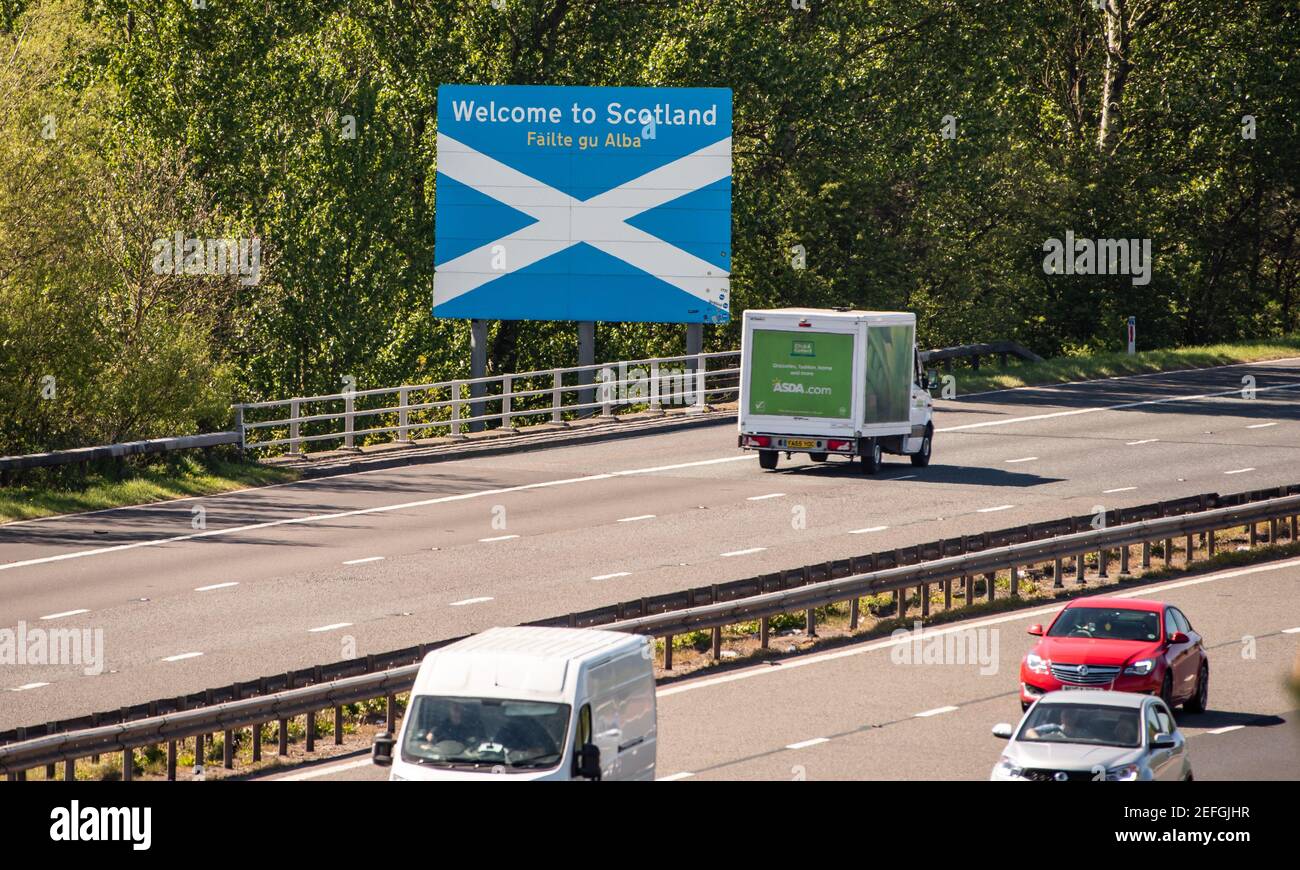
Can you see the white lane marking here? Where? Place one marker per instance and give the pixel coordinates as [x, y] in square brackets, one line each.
[764, 497]
[1001, 507]
[935, 712]
[685, 774]
[1143, 441]
[320, 518]
[215, 586]
[1295, 630]
[465, 601]
[324, 771]
[1021, 459]
[1092, 410]
[1225, 729]
[66, 613]
[612, 576]
[744, 552]
[1260, 425]
[902, 477]
[1239, 471]
[363, 561]
[635, 519]
[865, 531]
[787, 665]
[28, 686]
[182, 656]
[1118, 489]
[804, 744]
[497, 538]
[330, 627]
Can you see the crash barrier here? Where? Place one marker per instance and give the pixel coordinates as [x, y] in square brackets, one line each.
[306, 692]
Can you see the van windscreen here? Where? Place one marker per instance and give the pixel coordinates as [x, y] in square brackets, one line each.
[485, 732]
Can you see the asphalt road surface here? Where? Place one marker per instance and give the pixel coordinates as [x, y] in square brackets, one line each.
[865, 712]
[200, 592]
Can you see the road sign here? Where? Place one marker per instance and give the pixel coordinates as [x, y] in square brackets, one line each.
[1132, 335]
[577, 203]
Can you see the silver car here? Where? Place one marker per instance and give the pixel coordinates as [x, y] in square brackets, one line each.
[1094, 736]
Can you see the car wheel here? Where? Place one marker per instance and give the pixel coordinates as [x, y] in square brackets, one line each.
[817, 457]
[767, 459]
[871, 457]
[922, 457]
[1167, 690]
[1201, 700]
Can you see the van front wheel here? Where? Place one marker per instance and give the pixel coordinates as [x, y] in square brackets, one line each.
[767, 459]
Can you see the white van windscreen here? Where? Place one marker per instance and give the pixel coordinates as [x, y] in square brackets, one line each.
[487, 733]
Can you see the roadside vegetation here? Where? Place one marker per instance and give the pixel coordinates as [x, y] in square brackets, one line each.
[71, 489]
[1091, 366]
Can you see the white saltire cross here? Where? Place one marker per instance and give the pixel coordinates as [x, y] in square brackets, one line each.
[563, 221]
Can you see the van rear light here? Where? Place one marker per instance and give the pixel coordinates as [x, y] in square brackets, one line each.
[838, 445]
[758, 440]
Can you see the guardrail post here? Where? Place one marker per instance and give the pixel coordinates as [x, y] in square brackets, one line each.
[1169, 552]
[1124, 561]
[656, 404]
[338, 726]
[1254, 534]
[128, 764]
[239, 425]
[947, 594]
[853, 613]
[403, 415]
[390, 713]
[171, 760]
[900, 603]
[1272, 530]
[257, 742]
[717, 642]
[923, 592]
[283, 747]
[455, 411]
[764, 633]
[968, 586]
[349, 420]
[295, 411]
[668, 652]
[1015, 581]
[1295, 526]
[507, 406]
[228, 749]
[1190, 546]
[606, 392]
[1212, 540]
[70, 770]
[1057, 579]
[1079, 568]
[557, 397]
[311, 731]
[1146, 554]
[1103, 558]
[992, 581]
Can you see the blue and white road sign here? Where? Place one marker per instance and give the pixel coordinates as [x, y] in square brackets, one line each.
[576, 203]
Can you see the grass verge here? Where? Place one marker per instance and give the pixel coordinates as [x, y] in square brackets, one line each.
[46, 492]
[1108, 365]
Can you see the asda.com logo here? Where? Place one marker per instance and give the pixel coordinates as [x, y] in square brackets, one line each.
[788, 387]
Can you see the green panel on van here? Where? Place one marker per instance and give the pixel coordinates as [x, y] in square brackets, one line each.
[801, 374]
[889, 374]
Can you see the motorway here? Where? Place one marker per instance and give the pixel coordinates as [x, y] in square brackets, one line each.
[200, 592]
[858, 713]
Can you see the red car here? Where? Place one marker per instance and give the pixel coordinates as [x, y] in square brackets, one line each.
[1127, 645]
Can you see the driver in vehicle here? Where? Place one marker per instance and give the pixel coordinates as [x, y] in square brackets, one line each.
[462, 727]
[1071, 727]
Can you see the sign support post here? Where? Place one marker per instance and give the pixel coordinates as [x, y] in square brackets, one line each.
[586, 357]
[477, 369]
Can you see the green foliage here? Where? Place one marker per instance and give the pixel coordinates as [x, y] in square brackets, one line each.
[231, 120]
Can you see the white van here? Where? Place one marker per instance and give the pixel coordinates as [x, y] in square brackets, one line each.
[529, 703]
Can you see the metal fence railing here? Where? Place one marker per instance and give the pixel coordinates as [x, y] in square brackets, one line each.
[279, 698]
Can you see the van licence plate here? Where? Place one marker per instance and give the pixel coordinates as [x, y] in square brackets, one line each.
[803, 443]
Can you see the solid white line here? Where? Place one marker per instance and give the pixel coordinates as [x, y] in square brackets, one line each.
[380, 509]
[463, 602]
[1001, 507]
[762, 497]
[685, 774]
[611, 576]
[1022, 459]
[324, 771]
[634, 519]
[865, 531]
[1295, 630]
[1120, 489]
[363, 561]
[1092, 410]
[497, 538]
[27, 686]
[804, 744]
[744, 552]
[788, 664]
[215, 586]
[65, 613]
[1143, 441]
[1261, 425]
[1225, 729]
[902, 477]
[1239, 471]
[935, 712]
[188, 655]
[330, 627]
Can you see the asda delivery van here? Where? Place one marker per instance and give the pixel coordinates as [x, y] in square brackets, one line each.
[833, 383]
[529, 703]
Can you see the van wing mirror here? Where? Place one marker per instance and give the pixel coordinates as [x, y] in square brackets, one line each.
[381, 751]
[588, 761]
